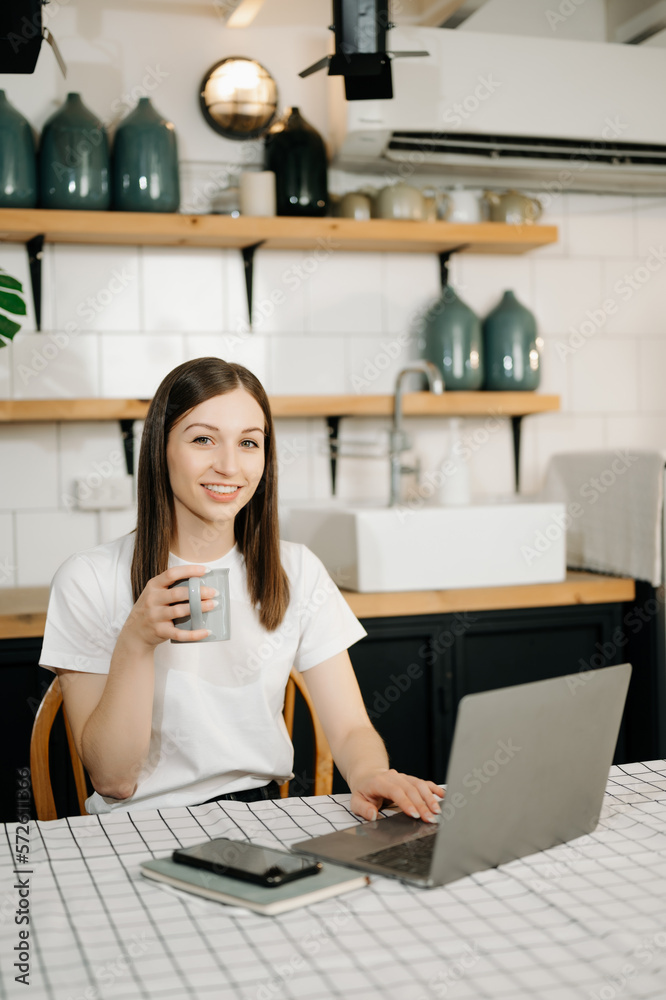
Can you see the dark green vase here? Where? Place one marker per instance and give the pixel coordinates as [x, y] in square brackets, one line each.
[511, 349]
[145, 162]
[74, 159]
[295, 152]
[18, 161]
[451, 339]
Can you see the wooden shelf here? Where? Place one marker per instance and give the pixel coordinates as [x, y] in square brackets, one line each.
[424, 404]
[278, 233]
[23, 609]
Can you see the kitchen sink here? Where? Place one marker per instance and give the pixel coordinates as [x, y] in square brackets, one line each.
[371, 548]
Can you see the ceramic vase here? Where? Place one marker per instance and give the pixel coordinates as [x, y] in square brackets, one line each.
[18, 161]
[296, 154]
[511, 348]
[145, 162]
[74, 159]
[452, 340]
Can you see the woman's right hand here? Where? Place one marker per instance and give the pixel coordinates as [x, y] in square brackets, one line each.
[150, 622]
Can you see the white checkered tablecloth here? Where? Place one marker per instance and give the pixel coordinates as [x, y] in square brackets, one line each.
[583, 920]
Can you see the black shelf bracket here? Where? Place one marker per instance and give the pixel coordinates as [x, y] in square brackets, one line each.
[127, 431]
[248, 264]
[35, 248]
[444, 258]
[333, 428]
[516, 427]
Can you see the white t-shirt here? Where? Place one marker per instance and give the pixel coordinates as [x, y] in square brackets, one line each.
[217, 722]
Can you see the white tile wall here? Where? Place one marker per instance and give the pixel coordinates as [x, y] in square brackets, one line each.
[7, 551]
[341, 314]
[44, 542]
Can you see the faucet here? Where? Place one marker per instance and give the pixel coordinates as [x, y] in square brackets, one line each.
[399, 441]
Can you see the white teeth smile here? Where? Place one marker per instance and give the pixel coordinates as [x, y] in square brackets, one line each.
[220, 489]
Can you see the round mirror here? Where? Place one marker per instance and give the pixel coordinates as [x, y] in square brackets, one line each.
[239, 98]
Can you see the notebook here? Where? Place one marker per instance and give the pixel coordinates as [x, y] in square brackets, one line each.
[528, 769]
[332, 880]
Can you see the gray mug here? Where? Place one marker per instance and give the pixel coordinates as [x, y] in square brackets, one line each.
[217, 620]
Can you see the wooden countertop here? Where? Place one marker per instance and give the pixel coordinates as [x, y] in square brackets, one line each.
[23, 609]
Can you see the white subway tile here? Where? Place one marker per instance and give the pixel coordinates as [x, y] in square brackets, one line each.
[644, 431]
[7, 551]
[96, 287]
[293, 459]
[280, 290]
[133, 365]
[182, 289]
[650, 224]
[6, 356]
[554, 204]
[88, 450]
[488, 452]
[634, 295]
[252, 350]
[115, 523]
[652, 375]
[410, 284]
[345, 293]
[556, 369]
[45, 539]
[604, 377]
[600, 225]
[376, 361]
[28, 457]
[483, 279]
[308, 365]
[563, 291]
[547, 434]
[55, 366]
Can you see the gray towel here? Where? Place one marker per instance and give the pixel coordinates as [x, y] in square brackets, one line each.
[614, 510]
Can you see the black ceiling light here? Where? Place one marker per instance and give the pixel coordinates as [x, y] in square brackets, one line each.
[360, 28]
[21, 33]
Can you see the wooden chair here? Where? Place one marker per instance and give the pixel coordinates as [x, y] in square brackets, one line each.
[40, 773]
[52, 702]
[323, 763]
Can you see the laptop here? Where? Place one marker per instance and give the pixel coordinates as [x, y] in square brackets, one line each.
[528, 769]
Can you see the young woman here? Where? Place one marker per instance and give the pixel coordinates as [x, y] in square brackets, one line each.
[180, 722]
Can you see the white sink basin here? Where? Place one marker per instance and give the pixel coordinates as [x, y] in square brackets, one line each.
[373, 548]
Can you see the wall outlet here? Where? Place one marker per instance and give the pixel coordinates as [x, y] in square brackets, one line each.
[104, 493]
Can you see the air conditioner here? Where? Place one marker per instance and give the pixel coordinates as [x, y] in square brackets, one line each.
[506, 110]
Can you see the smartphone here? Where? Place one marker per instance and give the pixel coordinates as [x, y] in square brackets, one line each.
[250, 862]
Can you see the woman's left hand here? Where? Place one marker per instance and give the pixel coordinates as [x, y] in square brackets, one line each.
[416, 797]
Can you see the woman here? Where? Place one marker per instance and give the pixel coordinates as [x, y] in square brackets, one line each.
[159, 723]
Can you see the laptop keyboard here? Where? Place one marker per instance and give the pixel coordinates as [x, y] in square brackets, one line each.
[413, 857]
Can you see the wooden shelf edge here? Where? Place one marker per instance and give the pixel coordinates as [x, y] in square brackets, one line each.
[275, 233]
[577, 588]
[500, 404]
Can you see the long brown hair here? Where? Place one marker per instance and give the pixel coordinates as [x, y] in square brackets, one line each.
[255, 525]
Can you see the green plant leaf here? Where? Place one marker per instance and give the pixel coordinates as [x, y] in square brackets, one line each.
[6, 281]
[12, 303]
[8, 328]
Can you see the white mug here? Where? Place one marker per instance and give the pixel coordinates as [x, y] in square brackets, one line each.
[257, 192]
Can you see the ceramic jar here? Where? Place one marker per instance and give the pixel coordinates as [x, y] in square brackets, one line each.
[74, 159]
[18, 161]
[296, 154]
[399, 201]
[145, 162]
[465, 206]
[451, 338]
[511, 347]
[512, 207]
[354, 205]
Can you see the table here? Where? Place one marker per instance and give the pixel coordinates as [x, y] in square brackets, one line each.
[582, 920]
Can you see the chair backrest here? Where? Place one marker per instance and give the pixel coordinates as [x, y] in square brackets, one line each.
[52, 702]
[39, 756]
[323, 763]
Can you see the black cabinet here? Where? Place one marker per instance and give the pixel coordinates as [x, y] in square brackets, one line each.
[450, 656]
